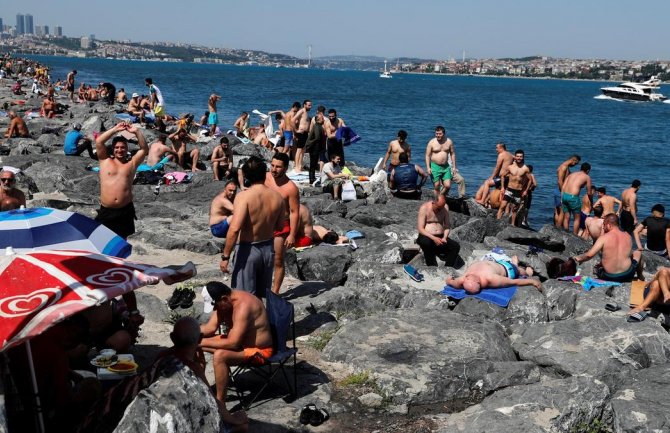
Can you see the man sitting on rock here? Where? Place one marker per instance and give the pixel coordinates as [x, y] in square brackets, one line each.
[222, 160]
[657, 228]
[248, 337]
[221, 210]
[404, 179]
[617, 263]
[10, 196]
[17, 127]
[433, 227]
[493, 272]
[179, 140]
[655, 293]
[159, 150]
[332, 177]
[76, 142]
[135, 109]
[594, 224]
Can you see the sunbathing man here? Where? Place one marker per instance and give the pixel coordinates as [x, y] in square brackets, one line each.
[134, 108]
[10, 196]
[248, 334]
[617, 263]
[505, 159]
[261, 138]
[17, 127]
[48, 108]
[222, 160]
[159, 150]
[221, 210]
[310, 234]
[493, 274]
[656, 292]
[179, 140]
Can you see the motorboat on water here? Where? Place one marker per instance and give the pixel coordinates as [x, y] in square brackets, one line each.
[645, 91]
[385, 73]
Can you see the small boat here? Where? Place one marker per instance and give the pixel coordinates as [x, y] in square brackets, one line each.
[645, 91]
[386, 73]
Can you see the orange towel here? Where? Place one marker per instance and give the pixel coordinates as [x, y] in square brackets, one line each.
[637, 293]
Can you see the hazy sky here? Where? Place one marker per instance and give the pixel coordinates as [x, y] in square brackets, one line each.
[391, 28]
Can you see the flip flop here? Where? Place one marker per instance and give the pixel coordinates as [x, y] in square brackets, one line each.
[612, 306]
[307, 413]
[637, 317]
[413, 273]
[319, 416]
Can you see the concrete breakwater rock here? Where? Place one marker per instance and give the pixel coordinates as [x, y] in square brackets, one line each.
[553, 361]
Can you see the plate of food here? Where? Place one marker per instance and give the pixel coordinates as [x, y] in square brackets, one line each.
[104, 360]
[123, 367]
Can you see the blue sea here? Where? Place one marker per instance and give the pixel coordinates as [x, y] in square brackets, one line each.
[548, 119]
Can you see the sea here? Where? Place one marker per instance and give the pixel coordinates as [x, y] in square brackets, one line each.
[549, 119]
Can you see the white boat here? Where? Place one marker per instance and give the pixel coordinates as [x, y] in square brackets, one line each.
[645, 91]
[386, 73]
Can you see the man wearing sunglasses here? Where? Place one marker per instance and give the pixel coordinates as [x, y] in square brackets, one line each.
[10, 197]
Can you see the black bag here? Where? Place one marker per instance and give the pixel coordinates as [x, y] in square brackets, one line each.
[149, 177]
[558, 267]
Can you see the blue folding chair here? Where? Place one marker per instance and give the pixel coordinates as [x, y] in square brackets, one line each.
[282, 325]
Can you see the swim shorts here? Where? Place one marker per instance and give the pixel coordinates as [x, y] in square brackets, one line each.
[497, 182]
[622, 277]
[582, 220]
[159, 111]
[512, 196]
[510, 268]
[571, 203]
[284, 230]
[220, 230]
[288, 138]
[119, 220]
[304, 241]
[213, 118]
[257, 355]
[440, 173]
[557, 198]
[300, 140]
[254, 267]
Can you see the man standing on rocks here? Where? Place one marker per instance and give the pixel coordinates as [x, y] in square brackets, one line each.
[284, 237]
[10, 196]
[69, 86]
[301, 122]
[258, 212]
[607, 201]
[433, 227]
[570, 201]
[505, 159]
[517, 186]
[562, 172]
[628, 213]
[438, 151]
[157, 103]
[213, 118]
[396, 147]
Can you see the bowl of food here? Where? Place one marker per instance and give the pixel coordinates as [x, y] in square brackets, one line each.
[123, 367]
[104, 360]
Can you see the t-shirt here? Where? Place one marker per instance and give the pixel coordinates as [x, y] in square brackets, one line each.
[329, 168]
[159, 96]
[656, 227]
[71, 139]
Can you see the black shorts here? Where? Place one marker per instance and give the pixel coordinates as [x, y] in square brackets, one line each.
[121, 221]
[70, 88]
[512, 196]
[300, 140]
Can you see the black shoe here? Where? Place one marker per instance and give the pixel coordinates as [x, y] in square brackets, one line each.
[187, 298]
[176, 298]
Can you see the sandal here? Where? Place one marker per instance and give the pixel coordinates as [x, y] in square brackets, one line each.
[307, 413]
[319, 417]
[637, 317]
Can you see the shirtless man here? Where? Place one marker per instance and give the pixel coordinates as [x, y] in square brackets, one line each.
[518, 184]
[587, 208]
[606, 201]
[438, 151]
[301, 122]
[258, 212]
[493, 273]
[330, 126]
[134, 108]
[505, 159]
[657, 292]
[48, 108]
[310, 234]
[69, 86]
[593, 225]
[122, 97]
[222, 160]
[617, 263]
[570, 201]
[288, 128]
[10, 196]
[221, 210]
[213, 118]
[158, 150]
[179, 140]
[561, 173]
[433, 227]
[396, 147]
[241, 125]
[284, 237]
[628, 211]
[261, 137]
[248, 335]
[17, 127]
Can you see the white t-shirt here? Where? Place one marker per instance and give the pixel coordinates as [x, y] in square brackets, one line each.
[159, 96]
[329, 168]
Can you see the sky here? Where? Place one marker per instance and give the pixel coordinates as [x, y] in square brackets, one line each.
[430, 29]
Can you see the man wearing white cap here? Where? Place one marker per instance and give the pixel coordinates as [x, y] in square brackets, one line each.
[76, 142]
[134, 107]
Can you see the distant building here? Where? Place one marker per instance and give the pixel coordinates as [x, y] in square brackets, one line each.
[28, 23]
[46, 30]
[58, 31]
[39, 31]
[2, 28]
[86, 43]
[20, 26]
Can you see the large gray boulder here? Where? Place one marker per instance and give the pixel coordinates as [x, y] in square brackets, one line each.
[328, 263]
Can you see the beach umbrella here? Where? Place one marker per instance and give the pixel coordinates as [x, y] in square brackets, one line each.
[43, 228]
[41, 288]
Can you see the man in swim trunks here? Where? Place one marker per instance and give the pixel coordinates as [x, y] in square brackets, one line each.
[301, 122]
[628, 209]
[310, 234]
[587, 208]
[518, 184]
[433, 227]
[258, 212]
[179, 140]
[10, 196]
[607, 201]
[159, 150]
[285, 237]
[570, 200]
[396, 147]
[657, 228]
[561, 173]
[135, 109]
[157, 103]
[331, 123]
[221, 210]
[493, 273]
[69, 86]
[17, 127]
[222, 160]
[594, 225]
[617, 263]
[241, 125]
[505, 159]
[213, 118]
[288, 126]
[657, 292]
[248, 335]
[438, 151]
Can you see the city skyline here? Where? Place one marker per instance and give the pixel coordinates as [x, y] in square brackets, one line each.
[422, 29]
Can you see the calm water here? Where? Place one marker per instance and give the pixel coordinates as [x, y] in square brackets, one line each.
[548, 119]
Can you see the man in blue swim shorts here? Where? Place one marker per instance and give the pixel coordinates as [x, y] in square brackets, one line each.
[571, 203]
[213, 118]
[221, 211]
[562, 172]
[493, 273]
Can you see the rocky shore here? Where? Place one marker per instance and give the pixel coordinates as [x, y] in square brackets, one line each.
[379, 351]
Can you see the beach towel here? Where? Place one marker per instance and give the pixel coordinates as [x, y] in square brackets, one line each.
[177, 177]
[588, 283]
[500, 297]
[354, 234]
[637, 293]
[346, 135]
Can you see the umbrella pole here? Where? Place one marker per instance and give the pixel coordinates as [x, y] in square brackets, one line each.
[38, 404]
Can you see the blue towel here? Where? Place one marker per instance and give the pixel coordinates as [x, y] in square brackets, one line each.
[354, 234]
[346, 135]
[499, 297]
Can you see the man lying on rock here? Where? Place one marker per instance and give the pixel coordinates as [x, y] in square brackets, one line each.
[617, 263]
[494, 272]
[310, 234]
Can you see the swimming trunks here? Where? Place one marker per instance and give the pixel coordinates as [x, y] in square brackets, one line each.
[304, 241]
[440, 173]
[220, 230]
[288, 138]
[513, 196]
[582, 220]
[257, 355]
[512, 270]
[557, 198]
[497, 181]
[622, 277]
[285, 230]
[213, 118]
[254, 266]
[119, 220]
[300, 140]
[626, 221]
[571, 203]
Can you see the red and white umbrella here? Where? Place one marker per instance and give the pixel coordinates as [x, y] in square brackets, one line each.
[41, 288]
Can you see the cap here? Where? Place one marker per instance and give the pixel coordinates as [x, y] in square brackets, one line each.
[212, 292]
[76, 126]
[135, 95]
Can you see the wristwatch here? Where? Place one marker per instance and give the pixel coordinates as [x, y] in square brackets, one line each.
[224, 257]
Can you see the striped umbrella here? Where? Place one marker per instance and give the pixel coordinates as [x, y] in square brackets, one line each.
[43, 228]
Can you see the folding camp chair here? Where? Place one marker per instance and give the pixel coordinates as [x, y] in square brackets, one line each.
[282, 325]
